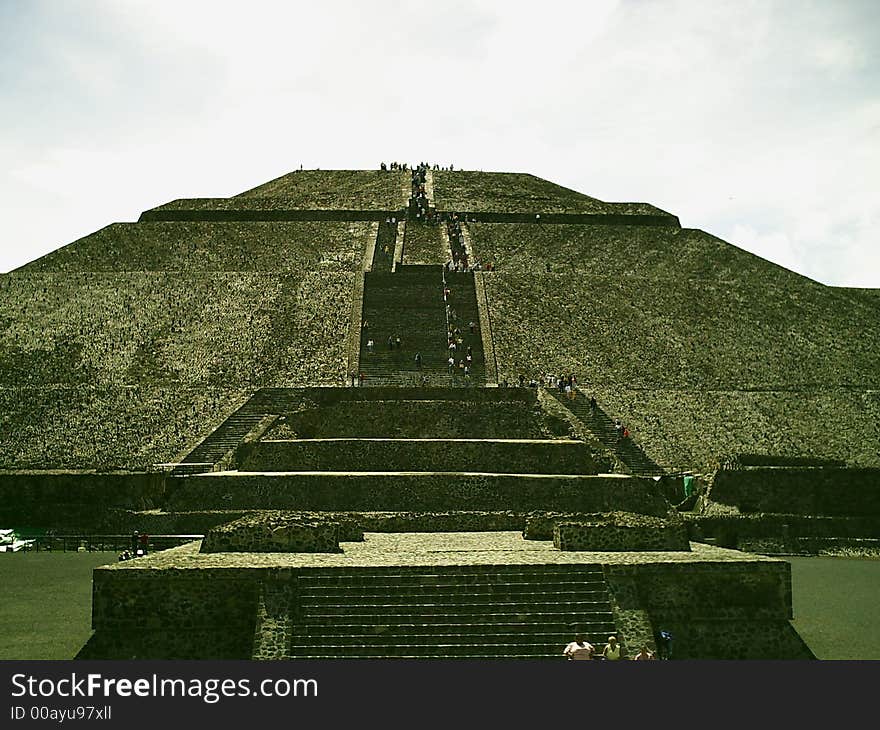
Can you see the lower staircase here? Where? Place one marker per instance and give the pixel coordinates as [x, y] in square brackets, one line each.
[467, 612]
[229, 434]
[601, 425]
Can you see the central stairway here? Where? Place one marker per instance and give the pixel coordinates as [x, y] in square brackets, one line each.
[472, 612]
[409, 304]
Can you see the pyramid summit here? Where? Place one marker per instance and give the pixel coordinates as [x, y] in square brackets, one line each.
[423, 351]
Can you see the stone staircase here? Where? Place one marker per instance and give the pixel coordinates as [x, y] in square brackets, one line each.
[463, 299]
[383, 255]
[601, 425]
[229, 434]
[409, 303]
[472, 611]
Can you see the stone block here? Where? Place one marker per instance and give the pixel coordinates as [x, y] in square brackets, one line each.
[273, 532]
[632, 534]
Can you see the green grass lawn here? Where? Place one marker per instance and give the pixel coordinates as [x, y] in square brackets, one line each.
[836, 603]
[46, 611]
[47, 602]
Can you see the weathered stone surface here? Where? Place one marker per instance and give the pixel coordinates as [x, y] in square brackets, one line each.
[74, 500]
[516, 456]
[510, 193]
[273, 532]
[799, 490]
[417, 491]
[424, 418]
[621, 532]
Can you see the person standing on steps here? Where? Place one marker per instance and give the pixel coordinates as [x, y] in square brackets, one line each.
[579, 649]
[611, 652]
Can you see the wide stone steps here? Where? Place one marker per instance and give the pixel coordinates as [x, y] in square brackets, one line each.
[473, 596]
[224, 438]
[465, 608]
[382, 655]
[383, 255]
[467, 611]
[409, 304]
[339, 633]
[397, 576]
[515, 649]
[443, 587]
[432, 639]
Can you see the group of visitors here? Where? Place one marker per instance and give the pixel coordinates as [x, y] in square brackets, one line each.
[461, 352]
[138, 548]
[394, 342]
[426, 165]
[461, 258]
[418, 202]
[581, 649]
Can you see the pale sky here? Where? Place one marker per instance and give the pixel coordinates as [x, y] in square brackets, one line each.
[758, 121]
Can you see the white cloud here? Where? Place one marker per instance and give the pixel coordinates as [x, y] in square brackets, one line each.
[759, 129]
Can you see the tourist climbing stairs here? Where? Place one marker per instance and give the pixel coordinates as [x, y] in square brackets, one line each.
[601, 425]
[463, 303]
[409, 304]
[471, 612]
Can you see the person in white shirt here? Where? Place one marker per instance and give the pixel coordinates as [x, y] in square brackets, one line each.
[578, 649]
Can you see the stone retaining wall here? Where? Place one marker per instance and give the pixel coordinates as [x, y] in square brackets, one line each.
[415, 492]
[799, 490]
[72, 500]
[514, 457]
[424, 419]
[732, 530]
[717, 610]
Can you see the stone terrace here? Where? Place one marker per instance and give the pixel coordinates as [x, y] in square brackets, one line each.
[639, 332]
[215, 329]
[509, 192]
[428, 549]
[203, 246]
[337, 190]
